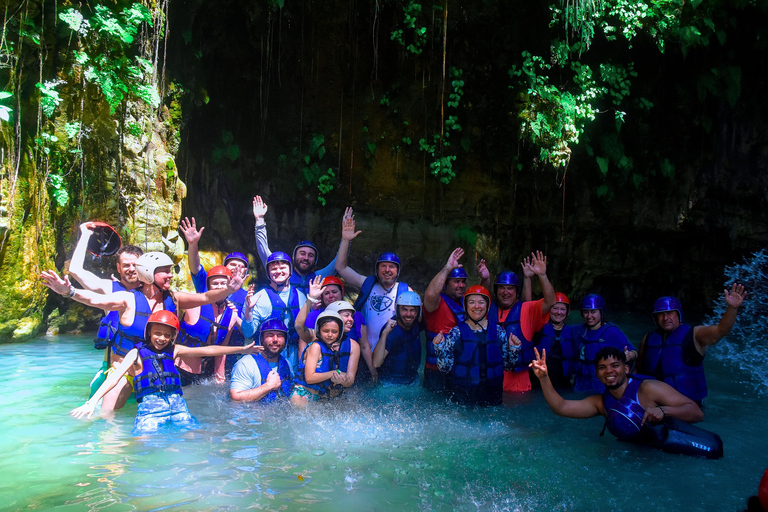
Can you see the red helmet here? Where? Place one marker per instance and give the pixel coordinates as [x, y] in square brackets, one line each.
[478, 290]
[218, 271]
[561, 297]
[164, 317]
[333, 280]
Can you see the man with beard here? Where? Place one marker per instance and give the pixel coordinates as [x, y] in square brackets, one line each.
[674, 352]
[304, 254]
[398, 353]
[636, 408]
[378, 292]
[278, 300]
[134, 307]
[267, 375]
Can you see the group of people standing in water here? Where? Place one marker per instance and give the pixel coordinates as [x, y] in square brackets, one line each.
[310, 343]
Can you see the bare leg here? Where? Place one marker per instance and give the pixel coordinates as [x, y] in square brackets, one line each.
[116, 397]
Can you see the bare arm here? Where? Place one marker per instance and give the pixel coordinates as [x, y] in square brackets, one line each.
[704, 336]
[580, 409]
[348, 234]
[192, 235]
[539, 268]
[660, 399]
[88, 407]
[187, 300]
[380, 352]
[117, 301]
[260, 229]
[435, 288]
[88, 280]
[348, 377]
[272, 383]
[484, 274]
[365, 351]
[311, 376]
[526, 294]
[306, 333]
[214, 350]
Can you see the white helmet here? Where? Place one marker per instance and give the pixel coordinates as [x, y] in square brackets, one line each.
[340, 305]
[148, 262]
[329, 316]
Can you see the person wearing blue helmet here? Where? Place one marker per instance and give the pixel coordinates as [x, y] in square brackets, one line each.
[304, 256]
[594, 334]
[376, 300]
[637, 408]
[265, 376]
[236, 262]
[443, 310]
[523, 318]
[398, 353]
[674, 352]
[280, 300]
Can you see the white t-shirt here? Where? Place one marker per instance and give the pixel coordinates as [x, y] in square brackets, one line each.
[378, 310]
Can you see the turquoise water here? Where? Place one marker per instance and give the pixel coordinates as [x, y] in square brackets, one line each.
[391, 448]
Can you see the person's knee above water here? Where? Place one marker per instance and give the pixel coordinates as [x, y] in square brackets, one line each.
[328, 364]
[476, 352]
[156, 380]
[556, 338]
[636, 408]
[210, 324]
[595, 333]
[378, 292]
[675, 351]
[265, 376]
[398, 353]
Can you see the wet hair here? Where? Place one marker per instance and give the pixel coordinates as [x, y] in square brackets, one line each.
[608, 352]
[129, 249]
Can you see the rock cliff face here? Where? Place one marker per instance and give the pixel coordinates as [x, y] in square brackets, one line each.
[317, 106]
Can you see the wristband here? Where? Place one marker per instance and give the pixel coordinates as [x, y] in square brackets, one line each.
[662, 411]
[72, 291]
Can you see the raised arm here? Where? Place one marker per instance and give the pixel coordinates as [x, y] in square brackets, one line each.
[192, 235]
[260, 229]
[587, 408]
[539, 267]
[88, 407]
[484, 274]
[380, 352]
[435, 288]
[88, 280]
[704, 336]
[117, 301]
[306, 334]
[348, 234]
[526, 294]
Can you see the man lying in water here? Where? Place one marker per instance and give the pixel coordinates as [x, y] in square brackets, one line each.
[634, 406]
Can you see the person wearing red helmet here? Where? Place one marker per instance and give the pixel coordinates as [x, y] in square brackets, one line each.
[378, 292]
[304, 255]
[211, 324]
[156, 380]
[135, 306]
[476, 352]
[556, 338]
[442, 312]
[522, 318]
[674, 352]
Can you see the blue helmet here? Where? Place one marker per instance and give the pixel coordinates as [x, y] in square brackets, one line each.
[668, 304]
[625, 419]
[273, 324]
[305, 243]
[458, 273]
[279, 256]
[506, 277]
[593, 301]
[390, 257]
[236, 256]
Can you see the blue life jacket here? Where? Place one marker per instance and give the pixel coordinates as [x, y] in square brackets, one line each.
[108, 324]
[127, 337]
[625, 415]
[512, 326]
[478, 367]
[286, 313]
[665, 360]
[562, 360]
[458, 314]
[401, 366]
[331, 361]
[283, 370]
[589, 342]
[365, 291]
[200, 280]
[197, 334]
[301, 283]
[158, 373]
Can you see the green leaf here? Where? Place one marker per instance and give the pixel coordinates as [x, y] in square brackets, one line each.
[602, 164]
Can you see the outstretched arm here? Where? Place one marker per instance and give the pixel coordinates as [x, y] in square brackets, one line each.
[260, 229]
[88, 280]
[192, 235]
[348, 234]
[587, 408]
[88, 407]
[704, 336]
[187, 300]
[435, 288]
[215, 350]
[117, 301]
